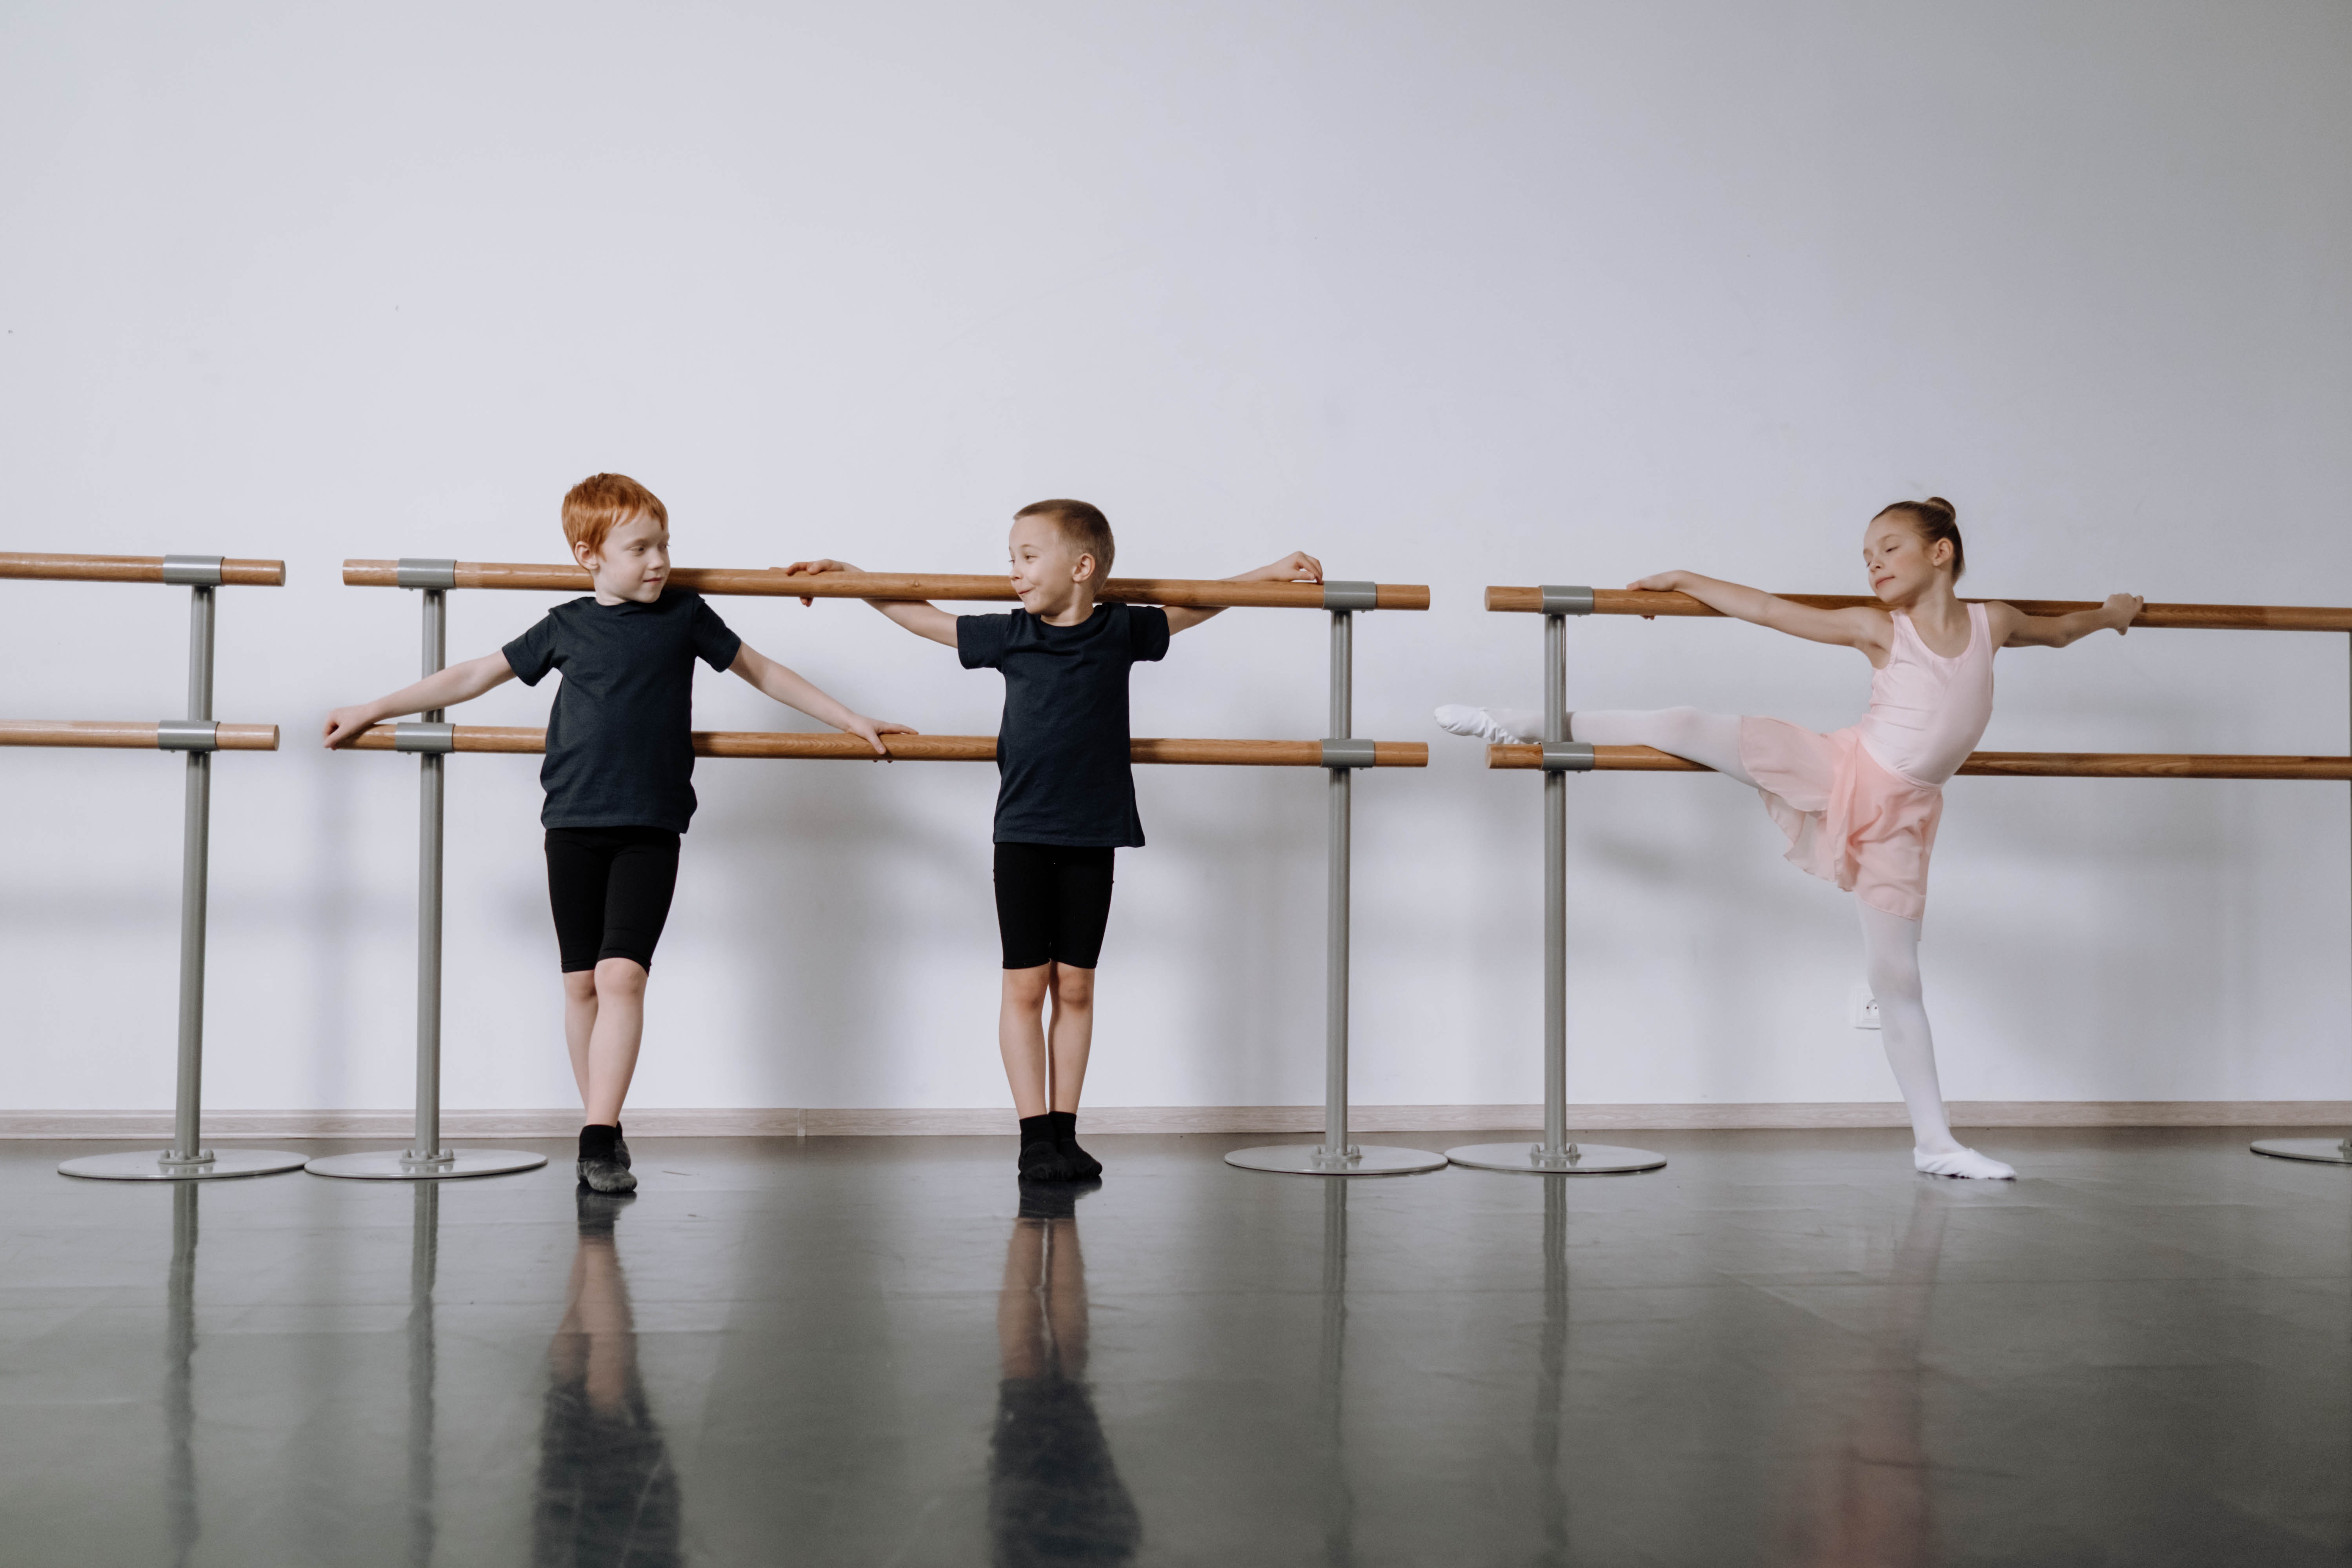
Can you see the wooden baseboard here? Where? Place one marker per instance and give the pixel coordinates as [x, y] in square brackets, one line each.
[815, 1122]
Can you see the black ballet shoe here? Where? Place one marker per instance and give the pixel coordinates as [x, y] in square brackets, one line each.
[1081, 1165]
[601, 1167]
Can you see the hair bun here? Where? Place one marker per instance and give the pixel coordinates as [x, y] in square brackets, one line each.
[1947, 507]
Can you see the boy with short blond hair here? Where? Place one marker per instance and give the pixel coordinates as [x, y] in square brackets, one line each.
[1066, 793]
[618, 773]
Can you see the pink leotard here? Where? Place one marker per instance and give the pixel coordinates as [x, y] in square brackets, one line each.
[1861, 805]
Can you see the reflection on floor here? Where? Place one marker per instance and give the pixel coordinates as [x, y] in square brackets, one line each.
[1785, 1347]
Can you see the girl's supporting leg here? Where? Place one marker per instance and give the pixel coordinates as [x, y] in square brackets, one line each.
[1709, 739]
[1890, 946]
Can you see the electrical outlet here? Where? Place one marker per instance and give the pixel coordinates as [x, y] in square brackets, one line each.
[1861, 1008]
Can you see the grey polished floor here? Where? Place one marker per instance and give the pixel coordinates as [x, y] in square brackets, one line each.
[1782, 1348]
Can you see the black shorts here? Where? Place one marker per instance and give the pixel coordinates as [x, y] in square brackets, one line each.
[1051, 903]
[610, 888]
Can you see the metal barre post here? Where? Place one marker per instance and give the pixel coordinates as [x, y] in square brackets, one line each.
[187, 1159]
[2322, 1150]
[1556, 1155]
[426, 1159]
[1342, 753]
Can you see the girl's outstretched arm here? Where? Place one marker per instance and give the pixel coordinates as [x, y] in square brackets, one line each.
[444, 689]
[795, 690]
[2012, 627]
[1866, 629]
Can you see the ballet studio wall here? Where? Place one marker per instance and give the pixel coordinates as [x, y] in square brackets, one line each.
[1444, 293]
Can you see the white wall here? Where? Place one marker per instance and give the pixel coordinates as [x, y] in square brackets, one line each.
[1445, 293]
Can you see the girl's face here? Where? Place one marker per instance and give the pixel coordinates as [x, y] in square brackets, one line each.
[1901, 564]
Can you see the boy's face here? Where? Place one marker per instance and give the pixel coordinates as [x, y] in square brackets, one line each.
[1051, 574]
[633, 563]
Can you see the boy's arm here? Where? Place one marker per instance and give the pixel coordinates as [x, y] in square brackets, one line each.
[458, 683]
[796, 690]
[2012, 627]
[923, 620]
[1296, 567]
[1865, 628]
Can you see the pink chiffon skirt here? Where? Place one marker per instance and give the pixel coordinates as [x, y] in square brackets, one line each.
[1849, 820]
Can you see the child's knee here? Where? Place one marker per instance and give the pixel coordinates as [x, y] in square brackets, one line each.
[580, 985]
[1073, 987]
[620, 977]
[1026, 987]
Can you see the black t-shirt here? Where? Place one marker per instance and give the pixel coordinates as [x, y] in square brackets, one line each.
[1061, 752]
[619, 746]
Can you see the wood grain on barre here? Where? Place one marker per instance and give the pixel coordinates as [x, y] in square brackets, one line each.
[132, 569]
[2178, 618]
[125, 734]
[833, 746]
[771, 583]
[1995, 765]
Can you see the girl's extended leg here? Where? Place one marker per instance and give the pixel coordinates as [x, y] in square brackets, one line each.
[1711, 740]
[1890, 947]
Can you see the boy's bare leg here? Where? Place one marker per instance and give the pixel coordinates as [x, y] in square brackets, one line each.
[579, 1023]
[1020, 1036]
[619, 1026]
[1073, 1032]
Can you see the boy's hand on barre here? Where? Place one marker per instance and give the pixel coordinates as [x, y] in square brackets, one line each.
[1296, 567]
[1657, 583]
[817, 568]
[873, 730]
[2123, 609]
[345, 725]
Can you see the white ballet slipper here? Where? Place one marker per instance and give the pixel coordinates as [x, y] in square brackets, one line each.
[1499, 726]
[1962, 1162]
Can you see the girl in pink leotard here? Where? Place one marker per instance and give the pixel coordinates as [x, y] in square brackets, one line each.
[1860, 806]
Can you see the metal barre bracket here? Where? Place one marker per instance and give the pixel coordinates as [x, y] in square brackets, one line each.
[1351, 596]
[192, 571]
[187, 736]
[436, 738]
[1560, 600]
[1351, 753]
[1567, 757]
[420, 572]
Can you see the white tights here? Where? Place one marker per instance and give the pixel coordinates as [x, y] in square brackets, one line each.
[1890, 944]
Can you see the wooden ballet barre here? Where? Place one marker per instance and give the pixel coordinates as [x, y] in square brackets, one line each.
[771, 583]
[1993, 764]
[2176, 617]
[135, 737]
[133, 569]
[827, 745]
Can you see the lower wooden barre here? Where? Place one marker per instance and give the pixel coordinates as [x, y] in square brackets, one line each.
[2178, 618]
[1995, 765]
[125, 736]
[828, 746]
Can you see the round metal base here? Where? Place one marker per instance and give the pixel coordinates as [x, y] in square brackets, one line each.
[2324, 1151]
[395, 1165]
[1585, 1159]
[1309, 1160]
[149, 1165]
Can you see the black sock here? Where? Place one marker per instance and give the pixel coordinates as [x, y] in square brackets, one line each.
[1064, 1124]
[596, 1141]
[1036, 1130]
